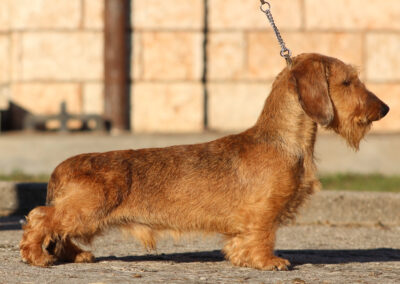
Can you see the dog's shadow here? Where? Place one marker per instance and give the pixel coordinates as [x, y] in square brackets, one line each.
[184, 257]
[296, 257]
[340, 256]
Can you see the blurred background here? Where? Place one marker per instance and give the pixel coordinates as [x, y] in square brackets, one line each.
[182, 66]
[190, 65]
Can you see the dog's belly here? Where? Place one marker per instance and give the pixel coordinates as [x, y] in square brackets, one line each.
[184, 205]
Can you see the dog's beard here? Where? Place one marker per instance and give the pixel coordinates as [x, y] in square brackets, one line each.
[352, 132]
[355, 133]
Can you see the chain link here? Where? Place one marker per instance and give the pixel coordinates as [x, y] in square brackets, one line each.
[285, 52]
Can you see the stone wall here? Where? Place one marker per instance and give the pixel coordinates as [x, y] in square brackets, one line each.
[52, 51]
[243, 52]
[167, 90]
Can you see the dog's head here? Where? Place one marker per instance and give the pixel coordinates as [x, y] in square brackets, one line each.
[331, 94]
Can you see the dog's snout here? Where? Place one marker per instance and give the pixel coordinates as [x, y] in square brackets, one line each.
[380, 109]
[384, 110]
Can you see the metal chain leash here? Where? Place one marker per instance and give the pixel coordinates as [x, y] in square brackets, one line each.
[285, 52]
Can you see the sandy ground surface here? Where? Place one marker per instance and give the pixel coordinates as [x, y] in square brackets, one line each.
[319, 254]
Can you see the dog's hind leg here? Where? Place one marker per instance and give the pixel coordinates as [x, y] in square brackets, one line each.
[65, 250]
[49, 232]
[73, 223]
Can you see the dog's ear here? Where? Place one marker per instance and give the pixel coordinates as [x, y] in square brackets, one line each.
[312, 88]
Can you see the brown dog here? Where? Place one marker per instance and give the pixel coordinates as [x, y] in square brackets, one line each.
[242, 186]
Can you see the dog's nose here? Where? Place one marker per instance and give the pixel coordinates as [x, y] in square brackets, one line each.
[384, 110]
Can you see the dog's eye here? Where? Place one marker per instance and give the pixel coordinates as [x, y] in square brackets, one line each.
[346, 83]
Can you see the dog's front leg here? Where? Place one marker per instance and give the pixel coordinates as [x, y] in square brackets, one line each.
[253, 245]
[255, 249]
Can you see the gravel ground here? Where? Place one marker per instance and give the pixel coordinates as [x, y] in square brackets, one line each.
[319, 254]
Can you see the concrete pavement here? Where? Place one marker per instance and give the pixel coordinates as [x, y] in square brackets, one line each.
[339, 237]
[40, 153]
[318, 253]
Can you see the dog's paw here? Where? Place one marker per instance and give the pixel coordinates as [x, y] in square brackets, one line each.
[84, 257]
[43, 260]
[273, 264]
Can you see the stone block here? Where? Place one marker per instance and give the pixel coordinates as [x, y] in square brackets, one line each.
[352, 14]
[265, 62]
[136, 72]
[34, 194]
[93, 14]
[390, 94]
[226, 58]
[45, 98]
[167, 107]
[235, 106]
[168, 14]
[93, 98]
[16, 56]
[255, 56]
[383, 58]
[239, 14]
[4, 59]
[4, 97]
[58, 56]
[171, 55]
[5, 15]
[45, 14]
[347, 47]
[263, 53]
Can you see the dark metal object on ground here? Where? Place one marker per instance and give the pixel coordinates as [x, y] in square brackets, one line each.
[32, 122]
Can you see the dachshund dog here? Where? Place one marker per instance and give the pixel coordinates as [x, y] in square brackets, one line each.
[242, 186]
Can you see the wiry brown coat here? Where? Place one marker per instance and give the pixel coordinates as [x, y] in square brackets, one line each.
[242, 186]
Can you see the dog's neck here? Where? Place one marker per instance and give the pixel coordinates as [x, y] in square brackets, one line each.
[283, 121]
